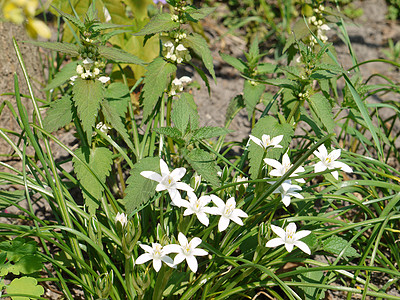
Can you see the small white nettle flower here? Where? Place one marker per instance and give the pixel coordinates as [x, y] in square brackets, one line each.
[169, 50]
[328, 161]
[175, 18]
[103, 79]
[121, 218]
[178, 84]
[169, 181]
[73, 78]
[227, 211]
[198, 207]
[240, 179]
[181, 53]
[96, 71]
[79, 69]
[186, 250]
[157, 254]
[287, 190]
[282, 168]
[289, 238]
[103, 127]
[87, 63]
[197, 181]
[266, 141]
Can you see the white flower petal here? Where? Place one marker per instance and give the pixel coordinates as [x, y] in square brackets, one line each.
[278, 231]
[146, 248]
[300, 234]
[203, 218]
[151, 175]
[335, 174]
[157, 264]
[218, 201]
[255, 140]
[236, 219]
[183, 186]
[199, 252]
[192, 263]
[179, 258]
[195, 242]
[303, 247]
[289, 247]
[173, 248]
[286, 200]
[182, 239]
[343, 167]
[319, 167]
[223, 223]
[273, 163]
[145, 257]
[178, 173]
[164, 168]
[274, 242]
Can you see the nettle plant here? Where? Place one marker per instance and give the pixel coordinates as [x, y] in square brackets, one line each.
[153, 208]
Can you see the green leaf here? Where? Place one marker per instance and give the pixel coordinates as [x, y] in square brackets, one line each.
[119, 56]
[64, 75]
[322, 108]
[312, 277]
[13, 196]
[323, 74]
[336, 244]
[159, 23]
[155, 82]
[26, 265]
[299, 31]
[198, 14]
[18, 248]
[270, 126]
[88, 95]
[74, 20]
[113, 117]
[173, 133]
[199, 45]
[59, 114]
[27, 286]
[267, 68]
[237, 63]
[185, 115]
[204, 164]
[118, 96]
[234, 106]
[66, 48]
[140, 189]
[99, 161]
[252, 95]
[208, 132]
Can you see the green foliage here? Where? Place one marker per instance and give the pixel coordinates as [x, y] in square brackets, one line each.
[270, 126]
[155, 82]
[21, 255]
[99, 161]
[59, 114]
[336, 245]
[311, 277]
[252, 93]
[209, 132]
[140, 189]
[119, 56]
[159, 23]
[25, 286]
[184, 115]
[323, 111]
[61, 77]
[66, 48]
[88, 95]
[199, 45]
[204, 164]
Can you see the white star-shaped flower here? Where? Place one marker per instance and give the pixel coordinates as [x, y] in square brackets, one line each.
[328, 161]
[228, 212]
[198, 207]
[157, 254]
[178, 84]
[282, 168]
[266, 141]
[121, 218]
[186, 250]
[287, 190]
[289, 238]
[169, 181]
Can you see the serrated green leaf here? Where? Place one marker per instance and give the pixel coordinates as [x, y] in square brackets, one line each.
[88, 95]
[267, 68]
[64, 75]
[336, 244]
[208, 132]
[252, 95]
[237, 63]
[78, 23]
[198, 14]
[99, 161]
[155, 83]
[25, 285]
[113, 117]
[283, 82]
[204, 164]
[199, 45]
[312, 277]
[270, 126]
[66, 48]
[140, 189]
[185, 115]
[323, 74]
[104, 26]
[117, 95]
[159, 23]
[322, 108]
[234, 106]
[59, 114]
[119, 56]
[173, 133]
[299, 31]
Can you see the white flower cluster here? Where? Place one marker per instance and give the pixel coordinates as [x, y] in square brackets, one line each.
[175, 53]
[287, 190]
[321, 26]
[177, 85]
[89, 70]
